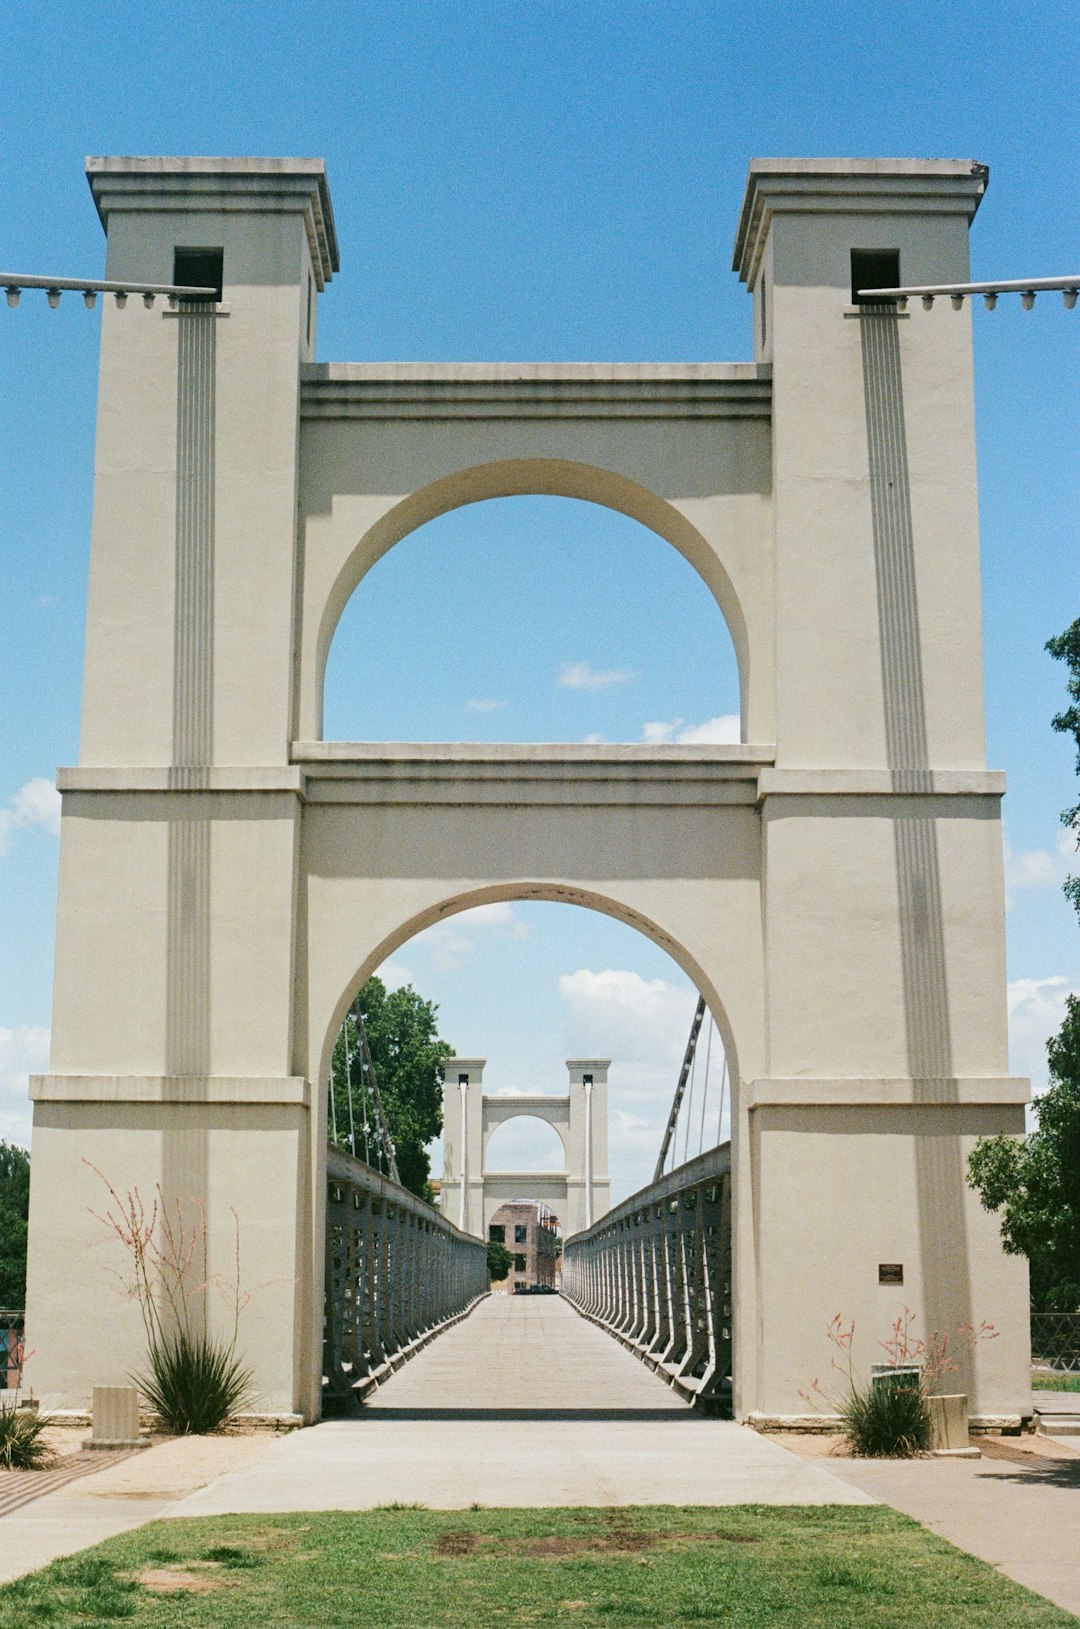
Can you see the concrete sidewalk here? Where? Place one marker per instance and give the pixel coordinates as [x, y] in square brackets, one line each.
[115, 1498]
[1017, 1508]
[524, 1403]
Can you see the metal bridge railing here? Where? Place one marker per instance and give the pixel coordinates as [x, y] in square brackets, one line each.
[396, 1274]
[656, 1272]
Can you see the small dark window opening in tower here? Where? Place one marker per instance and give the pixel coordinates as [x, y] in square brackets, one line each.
[463, 1080]
[873, 268]
[200, 268]
[586, 1080]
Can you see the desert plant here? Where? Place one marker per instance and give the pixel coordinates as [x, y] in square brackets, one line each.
[889, 1416]
[22, 1443]
[888, 1419]
[194, 1380]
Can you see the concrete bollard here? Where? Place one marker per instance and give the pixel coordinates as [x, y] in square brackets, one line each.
[949, 1427]
[115, 1418]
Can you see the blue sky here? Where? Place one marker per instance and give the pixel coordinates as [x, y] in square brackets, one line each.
[551, 182]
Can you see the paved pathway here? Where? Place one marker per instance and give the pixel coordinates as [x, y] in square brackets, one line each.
[112, 1494]
[1017, 1508]
[523, 1403]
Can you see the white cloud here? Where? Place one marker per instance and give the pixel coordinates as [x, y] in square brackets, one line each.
[35, 804]
[721, 731]
[1041, 867]
[583, 676]
[24, 1051]
[1036, 1011]
[452, 939]
[642, 1025]
[484, 704]
[593, 740]
[394, 974]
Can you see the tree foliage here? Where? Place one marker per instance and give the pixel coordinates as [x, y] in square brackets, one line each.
[1035, 1183]
[1065, 648]
[408, 1055]
[14, 1211]
[499, 1261]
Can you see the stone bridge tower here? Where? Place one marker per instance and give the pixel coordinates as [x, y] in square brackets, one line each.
[471, 1193]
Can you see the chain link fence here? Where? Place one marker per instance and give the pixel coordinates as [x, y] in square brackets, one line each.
[1055, 1341]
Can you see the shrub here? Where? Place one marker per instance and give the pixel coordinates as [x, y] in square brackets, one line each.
[194, 1382]
[22, 1445]
[888, 1419]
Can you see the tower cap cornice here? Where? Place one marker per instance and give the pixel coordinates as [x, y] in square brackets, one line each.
[222, 186]
[851, 186]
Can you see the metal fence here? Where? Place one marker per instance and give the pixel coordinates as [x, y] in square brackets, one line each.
[656, 1273]
[396, 1274]
[11, 1350]
[1055, 1340]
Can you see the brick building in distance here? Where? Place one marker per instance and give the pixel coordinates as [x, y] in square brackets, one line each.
[530, 1232]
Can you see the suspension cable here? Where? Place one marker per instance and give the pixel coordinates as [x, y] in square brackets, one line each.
[689, 1111]
[723, 1093]
[348, 1089]
[705, 1093]
[684, 1074]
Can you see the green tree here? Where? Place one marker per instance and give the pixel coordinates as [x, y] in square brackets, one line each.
[408, 1055]
[499, 1261]
[1035, 1182]
[14, 1210]
[1066, 648]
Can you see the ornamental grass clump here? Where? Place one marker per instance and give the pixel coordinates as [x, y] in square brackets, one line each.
[22, 1440]
[888, 1419]
[196, 1381]
[22, 1443]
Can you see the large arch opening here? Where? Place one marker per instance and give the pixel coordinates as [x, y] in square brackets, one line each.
[474, 955]
[572, 622]
[605, 525]
[552, 1010]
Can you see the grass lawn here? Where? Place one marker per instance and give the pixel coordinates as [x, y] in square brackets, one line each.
[640, 1568]
[1055, 1382]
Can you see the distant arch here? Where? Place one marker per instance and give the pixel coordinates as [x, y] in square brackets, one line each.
[554, 1136]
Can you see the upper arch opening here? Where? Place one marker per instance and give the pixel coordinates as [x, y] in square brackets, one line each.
[610, 521]
[533, 618]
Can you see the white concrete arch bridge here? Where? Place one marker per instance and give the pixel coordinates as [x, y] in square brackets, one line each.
[832, 885]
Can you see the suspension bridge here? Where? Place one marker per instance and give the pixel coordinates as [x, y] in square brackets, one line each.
[654, 1271]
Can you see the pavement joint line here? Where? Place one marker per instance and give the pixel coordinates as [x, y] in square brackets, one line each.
[18, 1488]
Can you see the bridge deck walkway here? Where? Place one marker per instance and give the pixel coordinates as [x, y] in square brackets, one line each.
[522, 1403]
